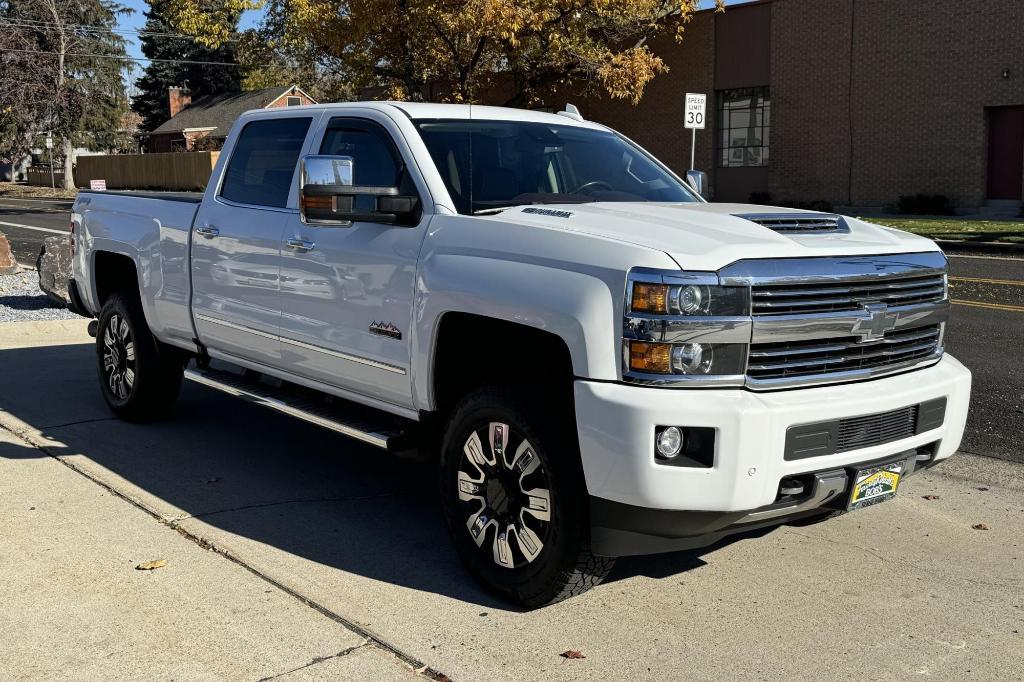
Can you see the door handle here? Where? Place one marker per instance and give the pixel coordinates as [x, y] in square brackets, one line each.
[208, 231]
[300, 245]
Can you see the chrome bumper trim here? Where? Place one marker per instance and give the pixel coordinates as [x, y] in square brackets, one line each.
[827, 486]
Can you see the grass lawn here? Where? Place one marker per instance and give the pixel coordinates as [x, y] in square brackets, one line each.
[945, 227]
[17, 190]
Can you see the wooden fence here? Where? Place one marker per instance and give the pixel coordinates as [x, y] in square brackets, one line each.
[40, 177]
[180, 171]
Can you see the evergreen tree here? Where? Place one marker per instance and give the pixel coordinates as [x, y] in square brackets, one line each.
[151, 101]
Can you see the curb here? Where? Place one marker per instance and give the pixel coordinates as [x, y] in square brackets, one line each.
[1002, 248]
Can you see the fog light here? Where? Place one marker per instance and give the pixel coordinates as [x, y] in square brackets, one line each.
[670, 442]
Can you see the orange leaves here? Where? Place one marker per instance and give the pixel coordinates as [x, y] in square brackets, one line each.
[624, 75]
[455, 50]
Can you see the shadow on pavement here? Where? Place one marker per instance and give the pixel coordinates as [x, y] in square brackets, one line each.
[262, 476]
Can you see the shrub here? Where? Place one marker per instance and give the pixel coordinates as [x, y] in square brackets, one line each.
[766, 199]
[924, 204]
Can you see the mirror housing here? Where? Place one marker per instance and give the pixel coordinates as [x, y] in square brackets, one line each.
[328, 197]
[698, 180]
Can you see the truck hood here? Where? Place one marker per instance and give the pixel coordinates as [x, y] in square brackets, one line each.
[711, 236]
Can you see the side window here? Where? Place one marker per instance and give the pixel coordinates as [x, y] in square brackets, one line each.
[263, 162]
[375, 160]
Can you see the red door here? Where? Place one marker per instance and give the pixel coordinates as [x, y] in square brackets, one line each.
[1005, 152]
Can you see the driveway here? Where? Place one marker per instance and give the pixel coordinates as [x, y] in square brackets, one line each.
[292, 550]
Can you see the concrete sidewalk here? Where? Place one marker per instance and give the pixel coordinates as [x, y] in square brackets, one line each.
[297, 516]
[75, 607]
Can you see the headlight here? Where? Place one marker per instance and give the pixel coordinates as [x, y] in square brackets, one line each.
[693, 359]
[688, 299]
[685, 328]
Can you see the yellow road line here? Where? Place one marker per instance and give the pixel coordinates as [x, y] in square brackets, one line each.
[982, 280]
[991, 306]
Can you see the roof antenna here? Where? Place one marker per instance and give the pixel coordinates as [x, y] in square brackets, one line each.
[571, 112]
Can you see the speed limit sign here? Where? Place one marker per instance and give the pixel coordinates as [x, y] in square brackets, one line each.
[693, 116]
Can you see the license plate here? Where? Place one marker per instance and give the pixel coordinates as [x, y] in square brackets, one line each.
[876, 484]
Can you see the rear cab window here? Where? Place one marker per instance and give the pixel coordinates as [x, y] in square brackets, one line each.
[263, 162]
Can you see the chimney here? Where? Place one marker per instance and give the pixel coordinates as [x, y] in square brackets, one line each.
[179, 98]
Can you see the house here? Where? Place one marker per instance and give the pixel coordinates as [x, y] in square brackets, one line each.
[212, 116]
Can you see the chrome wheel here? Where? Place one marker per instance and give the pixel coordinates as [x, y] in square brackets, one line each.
[505, 495]
[119, 357]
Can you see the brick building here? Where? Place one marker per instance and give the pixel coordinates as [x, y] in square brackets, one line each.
[212, 116]
[852, 102]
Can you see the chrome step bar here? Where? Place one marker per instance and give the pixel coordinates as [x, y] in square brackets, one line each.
[378, 433]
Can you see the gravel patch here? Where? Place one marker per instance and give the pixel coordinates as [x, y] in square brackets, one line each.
[22, 300]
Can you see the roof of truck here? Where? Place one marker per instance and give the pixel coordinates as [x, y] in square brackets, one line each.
[426, 110]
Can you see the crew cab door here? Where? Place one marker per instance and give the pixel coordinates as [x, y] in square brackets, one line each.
[347, 290]
[236, 241]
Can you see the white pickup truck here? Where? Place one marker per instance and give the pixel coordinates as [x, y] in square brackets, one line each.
[601, 362]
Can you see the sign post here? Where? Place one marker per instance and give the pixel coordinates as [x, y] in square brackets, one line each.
[49, 148]
[694, 118]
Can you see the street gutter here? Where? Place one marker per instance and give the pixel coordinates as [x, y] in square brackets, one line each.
[961, 246]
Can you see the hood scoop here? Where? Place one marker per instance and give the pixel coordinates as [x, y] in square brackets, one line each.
[798, 223]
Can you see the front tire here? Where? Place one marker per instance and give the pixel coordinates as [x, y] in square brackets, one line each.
[140, 378]
[514, 499]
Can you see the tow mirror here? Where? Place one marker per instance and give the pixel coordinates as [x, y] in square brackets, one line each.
[328, 197]
[698, 180]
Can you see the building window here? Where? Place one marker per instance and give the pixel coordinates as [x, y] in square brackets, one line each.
[744, 124]
[294, 101]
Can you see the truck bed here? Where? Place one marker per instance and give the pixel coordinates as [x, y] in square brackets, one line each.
[152, 230]
[187, 197]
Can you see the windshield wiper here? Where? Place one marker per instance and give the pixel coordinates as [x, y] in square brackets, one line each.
[492, 211]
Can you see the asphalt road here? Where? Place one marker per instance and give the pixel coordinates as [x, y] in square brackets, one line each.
[27, 222]
[294, 552]
[986, 332]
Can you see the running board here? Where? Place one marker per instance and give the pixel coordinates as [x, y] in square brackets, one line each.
[341, 416]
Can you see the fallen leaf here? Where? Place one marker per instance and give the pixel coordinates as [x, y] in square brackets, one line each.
[930, 497]
[983, 489]
[150, 565]
[980, 526]
[572, 654]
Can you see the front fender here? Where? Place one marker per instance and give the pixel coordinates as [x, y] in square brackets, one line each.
[567, 284]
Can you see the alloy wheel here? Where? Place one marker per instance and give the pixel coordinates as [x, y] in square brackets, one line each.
[119, 357]
[505, 495]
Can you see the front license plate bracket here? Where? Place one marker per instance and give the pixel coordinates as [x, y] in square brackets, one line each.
[875, 484]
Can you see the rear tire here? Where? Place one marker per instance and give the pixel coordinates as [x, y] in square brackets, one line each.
[140, 378]
[515, 501]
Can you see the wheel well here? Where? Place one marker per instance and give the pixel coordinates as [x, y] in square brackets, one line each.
[473, 350]
[114, 273]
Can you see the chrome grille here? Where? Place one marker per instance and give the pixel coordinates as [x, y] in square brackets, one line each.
[824, 297]
[792, 359]
[798, 222]
[876, 429]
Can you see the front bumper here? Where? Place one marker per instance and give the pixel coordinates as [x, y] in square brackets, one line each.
[616, 425]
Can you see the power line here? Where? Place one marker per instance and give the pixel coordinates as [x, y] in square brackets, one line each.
[31, 23]
[125, 58]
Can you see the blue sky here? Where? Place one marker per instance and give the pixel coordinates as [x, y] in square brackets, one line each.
[135, 21]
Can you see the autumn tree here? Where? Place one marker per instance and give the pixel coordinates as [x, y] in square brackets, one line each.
[177, 61]
[457, 50]
[273, 56]
[61, 70]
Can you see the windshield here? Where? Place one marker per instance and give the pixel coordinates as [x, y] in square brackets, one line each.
[489, 165]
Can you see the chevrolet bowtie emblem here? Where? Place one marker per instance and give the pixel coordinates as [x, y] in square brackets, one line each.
[876, 323]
